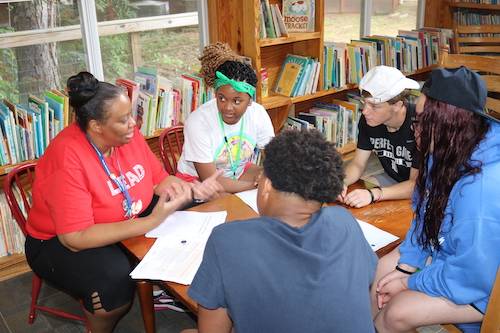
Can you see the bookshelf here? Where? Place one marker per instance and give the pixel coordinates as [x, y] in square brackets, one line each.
[236, 22]
[439, 13]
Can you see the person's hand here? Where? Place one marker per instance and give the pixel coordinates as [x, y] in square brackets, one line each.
[170, 200]
[358, 198]
[342, 195]
[209, 189]
[257, 179]
[389, 286]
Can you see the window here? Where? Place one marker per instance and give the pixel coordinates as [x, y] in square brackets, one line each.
[343, 18]
[158, 34]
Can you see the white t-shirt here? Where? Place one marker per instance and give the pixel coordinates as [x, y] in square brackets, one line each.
[204, 139]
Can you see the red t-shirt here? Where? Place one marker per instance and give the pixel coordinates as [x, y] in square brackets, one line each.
[72, 191]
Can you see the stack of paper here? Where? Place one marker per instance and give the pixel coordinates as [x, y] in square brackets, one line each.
[177, 253]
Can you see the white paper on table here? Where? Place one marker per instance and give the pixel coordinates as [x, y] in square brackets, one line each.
[188, 223]
[376, 237]
[172, 258]
[250, 198]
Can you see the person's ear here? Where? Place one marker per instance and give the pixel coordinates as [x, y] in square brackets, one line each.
[95, 126]
[266, 185]
[398, 106]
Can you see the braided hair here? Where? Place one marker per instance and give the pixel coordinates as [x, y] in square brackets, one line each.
[214, 55]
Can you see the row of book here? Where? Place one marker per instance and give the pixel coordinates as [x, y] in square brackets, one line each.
[472, 18]
[157, 102]
[338, 121]
[485, 2]
[410, 50]
[296, 16]
[28, 128]
[299, 75]
[11, 235]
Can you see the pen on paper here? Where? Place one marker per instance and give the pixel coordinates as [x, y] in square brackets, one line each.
[183, 241]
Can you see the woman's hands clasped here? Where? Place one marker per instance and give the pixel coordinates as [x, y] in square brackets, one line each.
[389, 286]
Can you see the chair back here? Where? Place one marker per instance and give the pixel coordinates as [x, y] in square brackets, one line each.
[17, 187]
[170, 144]
[477, 39]
[488, 67]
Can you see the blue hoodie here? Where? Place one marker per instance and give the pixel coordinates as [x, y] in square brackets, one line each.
[464, 269]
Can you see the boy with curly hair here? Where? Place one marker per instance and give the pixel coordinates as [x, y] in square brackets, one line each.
[299, 267]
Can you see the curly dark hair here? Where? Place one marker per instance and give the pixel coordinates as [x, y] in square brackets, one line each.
[450, 134]
[213, 56]
[306, 164]
[238, 71]
[90, 98]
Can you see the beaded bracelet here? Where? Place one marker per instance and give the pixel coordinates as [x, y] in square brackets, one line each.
[371, 193]
[381, 193]
[403, 271]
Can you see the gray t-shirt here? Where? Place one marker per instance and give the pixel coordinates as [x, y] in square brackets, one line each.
[273, 277]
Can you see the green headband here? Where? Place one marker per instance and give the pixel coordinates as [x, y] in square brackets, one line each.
[239, 86]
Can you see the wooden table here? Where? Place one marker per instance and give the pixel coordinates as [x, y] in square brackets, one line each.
[391, 216]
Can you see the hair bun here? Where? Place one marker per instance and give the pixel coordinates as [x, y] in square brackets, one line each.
[213, 56]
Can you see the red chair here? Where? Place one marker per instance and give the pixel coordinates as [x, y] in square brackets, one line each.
[17, 187]
[172, 139]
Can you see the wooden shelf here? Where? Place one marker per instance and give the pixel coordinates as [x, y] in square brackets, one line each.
[292, 38]
[472, 5]
[13, 265]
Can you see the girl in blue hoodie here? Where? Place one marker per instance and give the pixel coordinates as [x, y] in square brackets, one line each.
[444, 271]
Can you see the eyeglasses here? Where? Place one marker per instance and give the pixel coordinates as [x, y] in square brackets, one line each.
[414, 123]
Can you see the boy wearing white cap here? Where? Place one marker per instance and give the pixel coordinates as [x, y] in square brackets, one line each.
[385, 127]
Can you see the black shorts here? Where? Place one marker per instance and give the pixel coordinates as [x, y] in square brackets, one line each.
[104, 270]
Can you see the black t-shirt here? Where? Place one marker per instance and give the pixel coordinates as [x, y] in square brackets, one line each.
[396, 151]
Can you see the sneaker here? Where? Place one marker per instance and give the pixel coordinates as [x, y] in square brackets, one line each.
[176, 306]
[162, 298]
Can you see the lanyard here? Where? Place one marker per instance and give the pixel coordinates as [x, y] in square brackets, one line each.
[234, 165]
[119, 182]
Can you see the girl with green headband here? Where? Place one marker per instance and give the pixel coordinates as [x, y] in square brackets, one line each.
[223, 133]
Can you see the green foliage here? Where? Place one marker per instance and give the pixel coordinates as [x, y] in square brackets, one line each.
[8, 73]
[122, 9]
[115, 52]
[171, 51]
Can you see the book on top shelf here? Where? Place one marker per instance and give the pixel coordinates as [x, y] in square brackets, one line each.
[148, 79]
[6, 123]
[267, 17]
[279, 23]
[56, 102]
[43, 108]
[299, 16]
[14, 121]
[132, 89]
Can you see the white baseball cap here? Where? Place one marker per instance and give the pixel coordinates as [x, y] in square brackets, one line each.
[384, 83]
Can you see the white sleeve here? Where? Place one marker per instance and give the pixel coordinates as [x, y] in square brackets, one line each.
[265, 129]
[197, 139]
